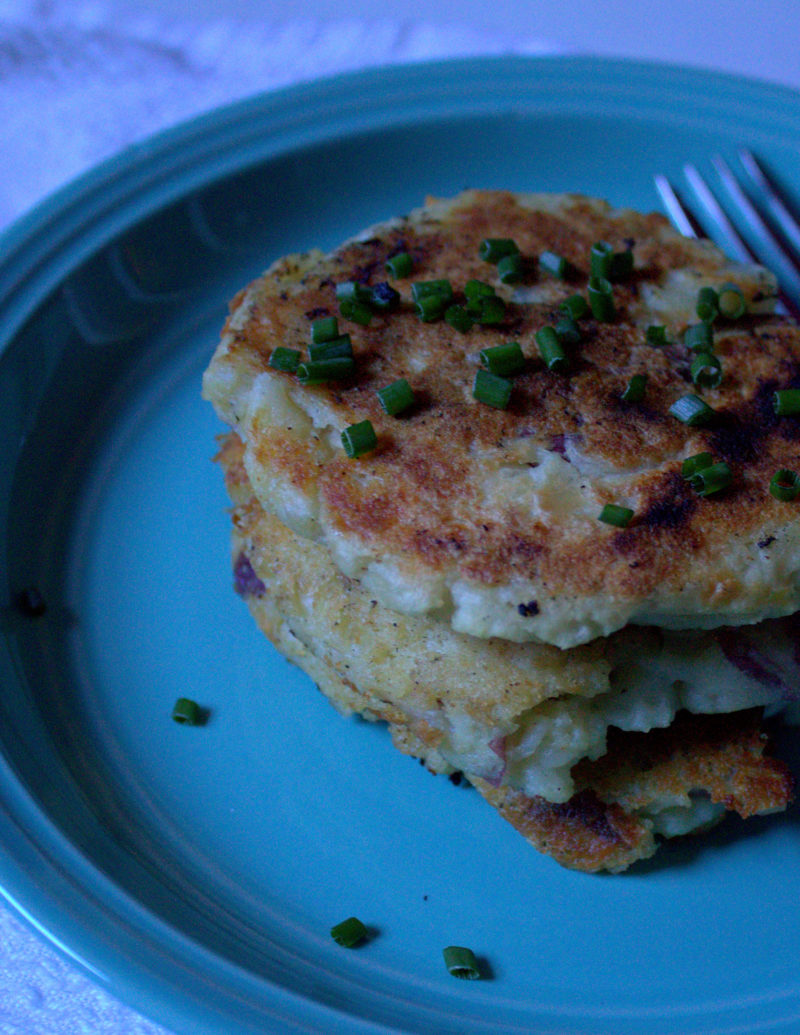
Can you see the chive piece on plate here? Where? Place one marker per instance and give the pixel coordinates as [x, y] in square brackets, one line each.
[459, 318]
[612, 514]
[491, 310]
[698, 337]
[731, 302]
[785, 485]
[493, 249]
[316, 372]
[324, 329]
[691, 410]
[556, 265]
[656, 334]
[692, 464]
[491, 389]
[358, 312]
[396, 397]
[575, 306]
[706, 370]
[601, 299]
[504, 360]
[634, 392]
[186, 712]
[712, 479]
[551, 350]
[461, 962]
[284, 359]
[335, 348]
[786, 401]
[349, 932]
[510, 269]
[567, 329]
[359, 438]
[600, 259]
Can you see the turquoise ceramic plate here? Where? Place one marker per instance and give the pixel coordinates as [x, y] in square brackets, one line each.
[196, 871]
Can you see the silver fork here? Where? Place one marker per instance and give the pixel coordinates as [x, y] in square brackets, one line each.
[769, 234]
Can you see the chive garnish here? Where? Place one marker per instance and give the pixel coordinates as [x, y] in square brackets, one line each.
[731, 302]
[316, 372]
[510, 269]
[332, 349]
[575, 306]
[349, 932]
[324, 329]
[556, 265]
[358, 312]
[359, 438]
[461, 962]
[656, 334]
[706, 370]
[476, 289]
[186, 712]
[503, 360]
[491, 310]
[712, 479]
[493, 249]
[352, 291]
[612, 514]
[786, 401]
[568, 331]
[707, 306]
[284, 359]
[459, 318]
[601, 299]
[692, 464]
[785, 485]
[491, 389]
[698, 337]
[600, 259]
[426, 288]
[430, 307]
[551, 350]
[634, 392]
[621, 265]
[396, 397]
[691, 410]
[400, 265]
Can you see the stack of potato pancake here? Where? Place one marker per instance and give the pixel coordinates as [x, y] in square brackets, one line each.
[515, 474]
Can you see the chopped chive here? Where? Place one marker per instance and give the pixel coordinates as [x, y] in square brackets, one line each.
[358, 312]
[612, 514]
[707, 307]
[427, 288]
[600, 259]
[186, 712]
[493, 249]
[504, 360]
[478, 289]
[316, 372]
[601, 299]
[510, 269]
[692, 464]
[786, 401]
[698, 337]
[568, 330]
[284, 359]
[491, 389]
[396, 397]
[785, 485]
[492, 310]
[634, 391]
[430, 307]
[731, 302]
[324, 329]
[459, 318]
[359, 438]
[349, 932]
[400, 265]
[336, 347]
[352, 291]
[691, 410]
[556, 265]
[656, 334]
[461, 962]
[551, 350]
[621, 265]
[575, 306]
[384, 298]
[712, 479]
[706, 370]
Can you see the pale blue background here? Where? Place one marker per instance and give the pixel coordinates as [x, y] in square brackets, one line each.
[57, 59]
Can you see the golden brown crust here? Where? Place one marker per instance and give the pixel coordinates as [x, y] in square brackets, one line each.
[434, 496]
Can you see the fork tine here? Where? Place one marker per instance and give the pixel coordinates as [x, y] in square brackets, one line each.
[682, 218]
[735, 243]
[785, 220]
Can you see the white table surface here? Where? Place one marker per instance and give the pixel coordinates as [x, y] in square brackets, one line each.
[58, 57]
